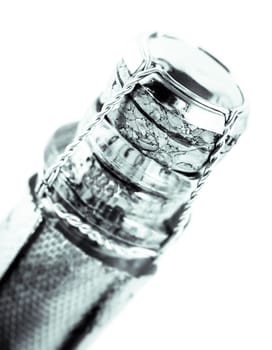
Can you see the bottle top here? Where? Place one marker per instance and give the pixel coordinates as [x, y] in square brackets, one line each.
[136, 170]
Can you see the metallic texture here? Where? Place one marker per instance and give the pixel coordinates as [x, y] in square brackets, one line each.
[17, 227]
[51, 288]
[117, 188]
[107, 107]
[166, 137]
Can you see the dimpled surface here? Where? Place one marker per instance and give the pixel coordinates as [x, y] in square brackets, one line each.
[45, 295]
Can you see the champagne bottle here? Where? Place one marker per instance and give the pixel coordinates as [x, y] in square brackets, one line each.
[118, 187]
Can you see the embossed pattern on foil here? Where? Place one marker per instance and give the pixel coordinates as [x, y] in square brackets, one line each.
[50, 290]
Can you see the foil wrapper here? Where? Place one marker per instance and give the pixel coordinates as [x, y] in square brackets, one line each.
[129, 179]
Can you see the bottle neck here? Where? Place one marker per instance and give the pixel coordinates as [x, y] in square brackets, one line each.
[134, 172]
[108, 187]
[154, 193]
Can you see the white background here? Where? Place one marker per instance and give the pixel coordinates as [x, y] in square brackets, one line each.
[214, 289]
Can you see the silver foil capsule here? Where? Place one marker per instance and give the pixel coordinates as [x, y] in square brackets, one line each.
[118, 186]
